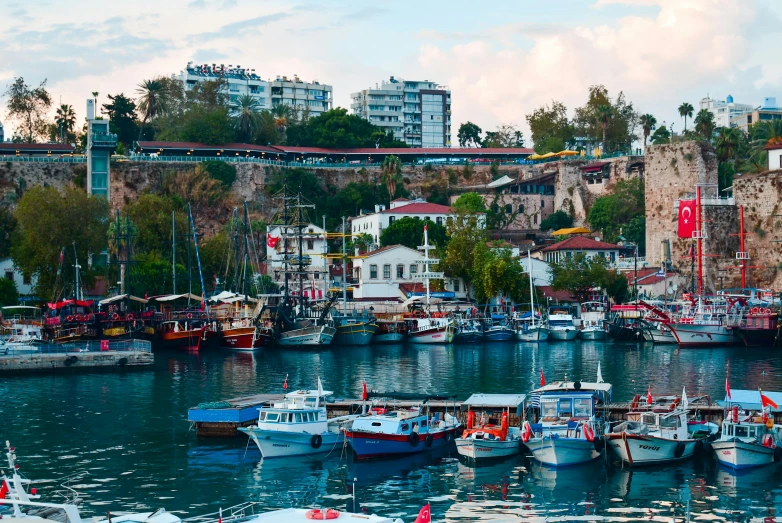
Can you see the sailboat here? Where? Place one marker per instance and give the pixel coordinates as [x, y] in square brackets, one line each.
[530, 327]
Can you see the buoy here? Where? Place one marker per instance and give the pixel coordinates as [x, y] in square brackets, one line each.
[589, 433]
[526, 432]
[316, 513]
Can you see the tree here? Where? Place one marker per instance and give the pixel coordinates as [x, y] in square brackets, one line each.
[766, 133]
[9, 295]
[661, 136]
[409, 232]
[648, 123]
[604, 114]
[581, 274]
[224, 172]
[122, 113]
[246, 117]
[617, 210]
[504, 137]
[467, 238]
[154, 97]
[361, 242]
[469, 203]
[551, 130]
[391, 173]
[152, 215]
[497, 272]
[65, 120]
[704, 124]
[558, 220]
[72, 218]
[685, 110]
[614, 129]
[7, 226]
[469, 135]
[28, 107]
[340, 130]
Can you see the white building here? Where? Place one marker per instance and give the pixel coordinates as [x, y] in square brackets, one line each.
[24, 284]
[313, 248]
[312, 98]
[374, 223]
[774, 157]
[417, 112]
[541, 272]
[726, 110]
[239, 79]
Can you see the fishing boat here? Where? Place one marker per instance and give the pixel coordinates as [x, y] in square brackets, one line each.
[656, 436]
[757, 326]
[625, 323]
[397, 432]
[560, 323]
[306, 333]
[22, 331]
[354, 328]
[430, 329]
[498, 329]
[468, 330]
[298, 426]
[390, 328]
[703, 323]
[485, 438]
[593, 314]
[749, 436]
[569, 422]
[185, 333]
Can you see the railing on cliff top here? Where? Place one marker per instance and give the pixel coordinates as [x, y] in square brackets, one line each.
[709, 202]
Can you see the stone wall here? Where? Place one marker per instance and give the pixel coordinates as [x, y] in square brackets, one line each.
[15, 177]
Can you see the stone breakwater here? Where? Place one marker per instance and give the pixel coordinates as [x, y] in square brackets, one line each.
[42, 363]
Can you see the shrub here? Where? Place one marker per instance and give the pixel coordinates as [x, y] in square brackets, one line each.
[224, 172]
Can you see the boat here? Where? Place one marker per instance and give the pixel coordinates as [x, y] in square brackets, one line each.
[484, 438]
[390, 328]
[252, 512]
[560, 323]
[656, 436]
[593, 315]
[757, 326]
[498, 329]
[569, 422]
[430, 329]
[530, 326]
[354, 328]
[397, 432]
[306, 333]
[468, 331]
[749, 437]
[298, 426]
[703, 323]
[625, 324]
[187, 334]
[22, 330]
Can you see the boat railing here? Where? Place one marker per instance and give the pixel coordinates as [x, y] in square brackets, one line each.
[234, 514]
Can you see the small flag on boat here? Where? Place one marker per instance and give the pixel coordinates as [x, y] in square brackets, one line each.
[685, 401]
[220, 518]
[426, 228]
[727, 389]
[542, 378]
[649, 398]
[765, 401]
[285, 383]
[599, 373]
[425, 515]
[364, 395]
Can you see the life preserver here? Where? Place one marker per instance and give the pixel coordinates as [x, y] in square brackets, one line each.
[88, 317]
[414, 439]
[316, 513]
[69, 318]
[316, 441]
[636, 402]
[78, 317]
[768, 311]
[378, 411]
[130, 317]
[768, 441]
[526, 432]
[589, 433]
[189, 315]
[115, 316]
[754, 310]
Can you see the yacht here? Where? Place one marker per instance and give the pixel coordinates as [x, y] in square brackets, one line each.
[560, 323]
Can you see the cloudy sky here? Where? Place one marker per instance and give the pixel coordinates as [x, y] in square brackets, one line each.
[501, 59]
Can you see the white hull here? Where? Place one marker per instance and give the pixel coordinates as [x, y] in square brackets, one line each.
[565, 334]
[592, 334]
[562, 452]
[434, 336]
[278, 444]
[739, 455]
[650, 450]
[699, 335]
[479, 449]
[533, 334]
[312, 336]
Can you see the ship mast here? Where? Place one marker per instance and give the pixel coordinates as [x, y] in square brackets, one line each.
[427, 275]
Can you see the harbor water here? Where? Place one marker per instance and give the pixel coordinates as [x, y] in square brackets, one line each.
[126, 436]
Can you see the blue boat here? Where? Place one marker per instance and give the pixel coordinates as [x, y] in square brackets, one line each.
[499, 329]
[468, 331]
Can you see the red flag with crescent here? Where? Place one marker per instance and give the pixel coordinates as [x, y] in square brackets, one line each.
[425, 515]
[271, 241]
[686, 218]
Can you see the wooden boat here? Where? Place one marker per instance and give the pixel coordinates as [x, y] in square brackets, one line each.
[182, 334]
[486, 439]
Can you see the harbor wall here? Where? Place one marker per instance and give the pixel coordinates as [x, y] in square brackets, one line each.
[75, 362]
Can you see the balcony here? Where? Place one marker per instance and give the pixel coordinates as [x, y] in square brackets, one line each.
[103, 141]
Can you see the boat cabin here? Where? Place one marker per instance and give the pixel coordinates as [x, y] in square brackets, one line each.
[296, 408]
[671, 425]
[395, 422]
[747, 432]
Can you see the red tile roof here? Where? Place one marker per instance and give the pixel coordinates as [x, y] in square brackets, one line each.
[195, 145]
[420, 208]
[581, 243]
[408, 288]
[58, 147]
[549, 292]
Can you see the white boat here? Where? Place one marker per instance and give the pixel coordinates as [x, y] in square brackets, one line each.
[311, 335]
[529, 325]
[703, 323]
[298, 426]
[593, 315]
[431, 330]
[749, 438]
[569, 424]
[252, 513]
[649, 438]
[560, 324]
[488, 439]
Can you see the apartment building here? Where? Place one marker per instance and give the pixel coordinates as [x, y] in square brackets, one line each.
[312, 98]
[768, 111]
[416, 112]
[726, 110]
[240, 81]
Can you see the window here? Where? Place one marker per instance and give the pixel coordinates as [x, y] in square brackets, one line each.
[413, 269]
[565, 408]
[9, 275]
[548, 408]
[27, 279]
[439, 220]
[273, 417]
[298, 417]
[535, 219]
[583, 407]
[509, 209]
[400, 271]
[310, 244]
[373, 272]
[542, 204]
[387, 271]
[521, 208]
[456, 286]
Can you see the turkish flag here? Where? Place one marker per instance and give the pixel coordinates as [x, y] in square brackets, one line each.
[425, 515]
[271, 241]
[686, 218]
[364, 395]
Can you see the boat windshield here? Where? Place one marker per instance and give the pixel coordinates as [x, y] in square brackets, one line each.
[582, 407]
[288, 417]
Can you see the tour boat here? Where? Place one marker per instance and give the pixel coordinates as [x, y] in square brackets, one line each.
[485, 439]
[569, 424]
[749, 438]
[424, 329]
[400, 432]
[353, 329]
[653, 437]
[182, 334]
[309, 334]
[298, 426]
[252, 512]
[468, 331]
[389, 329]
[758, 327]
[560, 324]
[498, 329]
[243, 335]
[702, 328]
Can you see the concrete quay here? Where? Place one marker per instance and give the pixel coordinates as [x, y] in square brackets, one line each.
[79, 357]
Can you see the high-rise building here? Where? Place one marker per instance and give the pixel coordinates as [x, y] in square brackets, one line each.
[416, 112]
[725, 111]
[2, 133]
[239, 79]
[313, 98]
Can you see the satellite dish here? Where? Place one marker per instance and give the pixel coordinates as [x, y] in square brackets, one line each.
[670, 290]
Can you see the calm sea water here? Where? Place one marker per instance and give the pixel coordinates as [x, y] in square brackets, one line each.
[128, 434]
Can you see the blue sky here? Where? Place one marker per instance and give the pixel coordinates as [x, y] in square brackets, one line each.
[502, 59]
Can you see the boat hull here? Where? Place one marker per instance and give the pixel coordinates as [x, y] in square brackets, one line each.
[499, 335]
[563, 334]
[562, 452]
[638, 450]
[739, 455]
[243, 339]
[533, 334]
[592, 334]
[368, 445]
[758, 337]
[624, 333]
[688, 335]
[389, 337]
[185, 340]
[307, 337]
[441, 335]
[277, 444]
[484, 449]
[355, 334]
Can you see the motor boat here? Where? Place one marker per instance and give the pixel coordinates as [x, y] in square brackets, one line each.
[560, 324]
[749, 438]
[298, 426]
[569, 422]
[431, 329]
[251, 512]
[593, 314]
[353, 329]
[498, 329]
[484, 438]
[468, 331]
[530, 327]
[390, 329]
[307, 333]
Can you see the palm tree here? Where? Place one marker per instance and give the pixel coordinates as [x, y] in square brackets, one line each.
[65, 120]
[604, 114]
[246, 116]
[765, 133]
[649, 123]
[704, 124]
[95, 99]
[686, 110]
[152, 100]
[728, 141]
[391, 171]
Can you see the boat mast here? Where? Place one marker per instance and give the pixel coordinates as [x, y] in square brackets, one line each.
[119, 263]
[531, 290]
[198, 259]
[698, 229]
[235, 283]
[325, 260]
[76, 267]
[246, 254]
[744, 257]
[344, 269]
[173, 247]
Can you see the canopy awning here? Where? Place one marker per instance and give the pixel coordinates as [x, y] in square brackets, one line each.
[66, 303]
[122, 297]
[750, 399]
[571, 230]
[570, 385]
[495, 400]
[172, 297]
[594, 167]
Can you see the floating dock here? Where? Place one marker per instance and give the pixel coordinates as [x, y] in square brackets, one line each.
[77, 356]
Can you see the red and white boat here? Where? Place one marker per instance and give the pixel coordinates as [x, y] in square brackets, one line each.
[183, 334]
[244, 335]
[431, 329]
